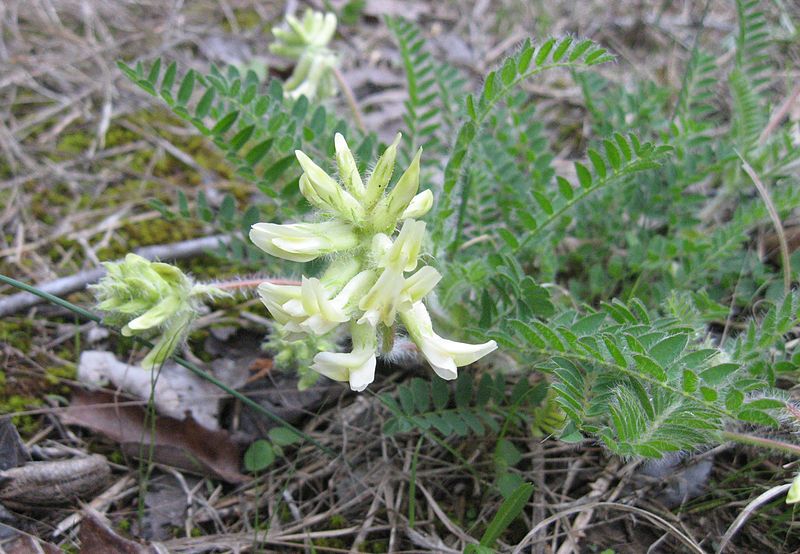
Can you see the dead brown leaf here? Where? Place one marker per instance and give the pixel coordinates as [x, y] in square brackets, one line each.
[98, 538]
[26, 544]
[12, 450]
[183, 444]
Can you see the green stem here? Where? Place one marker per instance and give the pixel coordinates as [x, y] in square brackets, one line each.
[761, 442]
[180, 361]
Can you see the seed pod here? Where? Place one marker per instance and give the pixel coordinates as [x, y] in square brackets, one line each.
[39, 485]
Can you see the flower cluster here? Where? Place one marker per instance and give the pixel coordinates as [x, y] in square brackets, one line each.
[374, 277]
[306, 42]
[151, 298]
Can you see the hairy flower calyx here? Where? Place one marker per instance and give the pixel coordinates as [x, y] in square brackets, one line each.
[151, 299]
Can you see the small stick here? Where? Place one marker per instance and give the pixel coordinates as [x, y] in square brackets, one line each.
[776, 222]
[350, 97]
[66, 285]
[779, 114]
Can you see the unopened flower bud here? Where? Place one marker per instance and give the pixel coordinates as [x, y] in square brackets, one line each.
[381, 175]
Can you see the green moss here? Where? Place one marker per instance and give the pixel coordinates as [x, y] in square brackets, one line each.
[119, 136]
[246, 18]
[27, 425]
[54, 375]
[337, 521]
[47, 203]
[74, 142]
[155, 231]
[331, 542]
[17, 333]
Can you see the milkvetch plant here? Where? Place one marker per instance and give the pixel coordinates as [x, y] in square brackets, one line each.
[373, 275]
[151, 299]
[643, 378]
[306, 42]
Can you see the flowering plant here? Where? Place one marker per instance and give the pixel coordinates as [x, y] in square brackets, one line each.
[306, 42]
[151, 298]
[374, 276]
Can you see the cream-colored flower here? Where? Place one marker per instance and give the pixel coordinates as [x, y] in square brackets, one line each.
[381, 302]
[275, 297]
[303, 242]
[348, 170]
[306, 42]
[404, 253]
[314, 31]
[310, 307]
[373, 274]
[358, 366]
[381, 175]
[418, 285]
[391, 207]
[325, 193]
[420, 205]
[793, 496]
[445, 356]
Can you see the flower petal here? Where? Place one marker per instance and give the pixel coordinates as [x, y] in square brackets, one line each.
[389, 209]
[348, 170]
[303, 242]
[382, 174]
[444, 355]
[420, 205]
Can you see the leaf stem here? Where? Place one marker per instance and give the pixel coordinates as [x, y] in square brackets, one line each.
[772, 444]
[253, 283]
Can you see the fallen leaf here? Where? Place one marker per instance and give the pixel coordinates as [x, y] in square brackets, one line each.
[97, 537]
[12, 452]
[27, 544]
[166, 505]
[184, 444]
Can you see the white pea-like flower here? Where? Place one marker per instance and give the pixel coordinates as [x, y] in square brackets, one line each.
[374, 275]
[306, 42]
[358, 366]
[303, 242]
[445, 356]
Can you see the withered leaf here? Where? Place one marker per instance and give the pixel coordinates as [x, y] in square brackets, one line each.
[182, 444]
[98, 538]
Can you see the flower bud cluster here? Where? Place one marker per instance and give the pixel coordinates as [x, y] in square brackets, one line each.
[374, 277]
[306, 42]
[151, 299]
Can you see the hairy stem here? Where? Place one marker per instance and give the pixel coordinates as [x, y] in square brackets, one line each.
[762, 442]
[253, 283]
